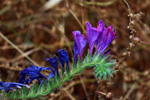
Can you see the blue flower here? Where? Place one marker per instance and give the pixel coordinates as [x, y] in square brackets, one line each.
[54, 63]
[11, 85]
[79, 45]
[63, 58]
[33, 73]
[51, 74]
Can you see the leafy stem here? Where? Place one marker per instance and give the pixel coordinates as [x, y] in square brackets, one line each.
[102, 70]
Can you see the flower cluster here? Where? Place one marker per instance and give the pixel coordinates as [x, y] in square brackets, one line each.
[100, 36]
[33, 73]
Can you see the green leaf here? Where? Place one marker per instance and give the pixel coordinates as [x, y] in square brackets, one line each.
[79, 62]
[73, 65]
[89, 57]
[96, 58]
[33, 89]
[67, 71]
[42, 97]
[40, 88]
[103, 70]
[24, 92]
[44, 86]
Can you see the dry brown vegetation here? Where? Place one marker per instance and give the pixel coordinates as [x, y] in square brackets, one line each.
[31, 31]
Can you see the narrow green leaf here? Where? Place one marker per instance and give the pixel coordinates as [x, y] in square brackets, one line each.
[85, 60]
[50, 84]
[89, 57]
[68, 71]
[109, 64]
[40, 88]
[40, 97]
[73, 65]
[62, 72]
[24, 92]
[9, 94]
[16, 93]
[79, 62]
[96, 58]
[13, 94]
[44, 86]
[103, 59]
[33, 89]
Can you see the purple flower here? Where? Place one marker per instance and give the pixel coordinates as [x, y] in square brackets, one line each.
[54, 63]
[79, 44]
[11, 85]
[63, 58]
[92, 35]
[100, 26]
[33, 73]
[105, 38]
[100, 36]
[76, 52]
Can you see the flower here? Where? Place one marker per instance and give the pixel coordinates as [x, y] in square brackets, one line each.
[33, 73]
[63, 58]
[54, 63]
[11, 85]
[51, 74]
[105, 38]
[100, 36]
[79, 44]
[76, 52]
[92, 35]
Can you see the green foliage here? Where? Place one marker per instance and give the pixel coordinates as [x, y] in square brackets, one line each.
[102, 66]
[2, 95]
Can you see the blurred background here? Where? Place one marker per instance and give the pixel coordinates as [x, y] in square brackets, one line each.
[38, 28]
